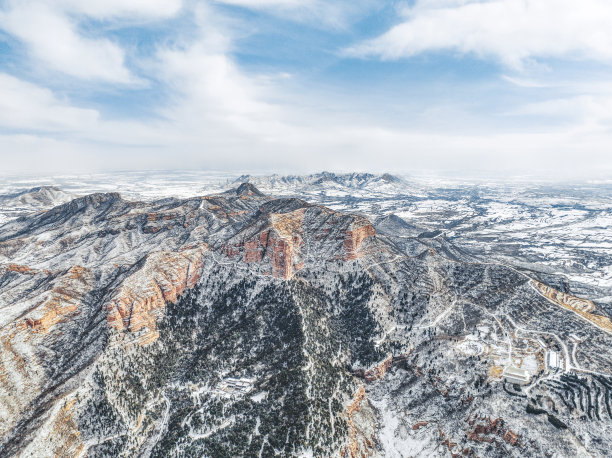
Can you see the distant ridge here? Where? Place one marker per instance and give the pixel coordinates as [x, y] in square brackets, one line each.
[344, 179]
[39, 197]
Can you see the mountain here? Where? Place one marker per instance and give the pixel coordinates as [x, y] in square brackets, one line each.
[39, 197]
[321, 181]
[28, 201]
[239, 324]
[556, 229]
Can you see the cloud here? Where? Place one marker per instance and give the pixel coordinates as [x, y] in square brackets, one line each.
[51, 31]
[525, 83]
[335, 14]
[35, 117]
[25, 106]
[214, 100]
[53, 41]
[512, 31]
[216, 114]
[266, 4]
[104, 9]
[214, 110]
[587, 113]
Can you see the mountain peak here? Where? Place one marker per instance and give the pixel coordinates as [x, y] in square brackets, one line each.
[247, 189]
[90, 200]
[98, 198]
[390, 178]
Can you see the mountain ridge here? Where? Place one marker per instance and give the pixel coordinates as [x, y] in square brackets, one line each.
[239, 324]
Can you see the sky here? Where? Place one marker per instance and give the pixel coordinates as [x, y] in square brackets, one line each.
[497, 87]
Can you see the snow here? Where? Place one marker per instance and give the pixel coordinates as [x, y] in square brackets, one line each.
[258, 397]
[400, 441]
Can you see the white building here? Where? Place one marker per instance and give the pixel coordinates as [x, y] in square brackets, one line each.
[553, 361]
[516, 375]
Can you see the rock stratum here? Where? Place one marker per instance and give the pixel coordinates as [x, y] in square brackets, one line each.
[238, 324]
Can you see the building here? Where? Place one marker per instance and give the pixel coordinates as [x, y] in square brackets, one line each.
[516, 375]
[553, 361]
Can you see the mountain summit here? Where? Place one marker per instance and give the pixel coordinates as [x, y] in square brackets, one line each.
[247, 189]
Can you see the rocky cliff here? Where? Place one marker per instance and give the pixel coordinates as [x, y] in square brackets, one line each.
[239, 324]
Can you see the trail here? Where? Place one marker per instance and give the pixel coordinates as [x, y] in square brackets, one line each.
[149, 446]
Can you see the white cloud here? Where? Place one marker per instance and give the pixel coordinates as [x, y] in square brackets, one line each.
[53, 41]
[524, 82]
[512, 31]
[50, 29]
[265, 4]
[25, 106]
[221, 116]
[335, 14]
[150, 9]
[587, 113]
[36, 116]
[214, 107]
[213, 97]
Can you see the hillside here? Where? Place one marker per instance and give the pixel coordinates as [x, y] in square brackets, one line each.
[239, 324]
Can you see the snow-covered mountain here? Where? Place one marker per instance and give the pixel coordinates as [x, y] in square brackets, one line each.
[41, 197]
[558, 229]
[327, 183]
[31, 200]
[243, 324]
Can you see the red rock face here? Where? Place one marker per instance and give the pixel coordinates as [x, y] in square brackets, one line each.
[252, 251]
[20, 269]
[354, 239]
[361, 441]
[512, 438]
[137, 304]
[485, 430]
[269, 245]
[62, 302]
[379, 371]
[279, 244]
[281, 257]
